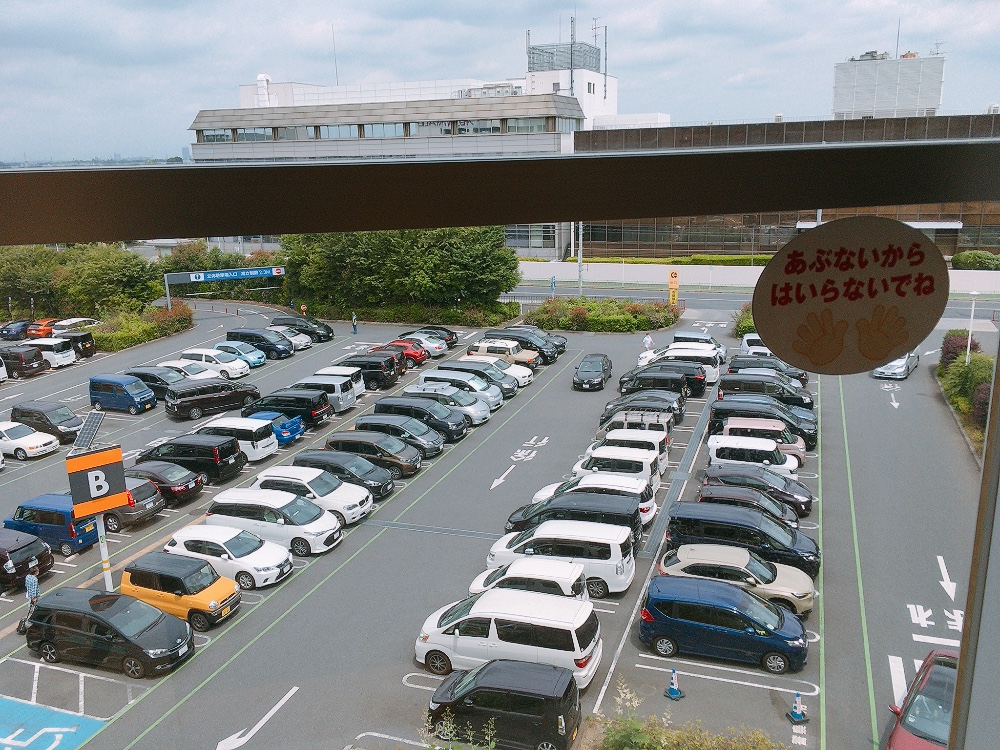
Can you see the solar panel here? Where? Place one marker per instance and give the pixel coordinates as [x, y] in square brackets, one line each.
[88, 432]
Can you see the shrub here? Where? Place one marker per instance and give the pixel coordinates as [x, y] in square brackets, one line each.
[960, 379]
[602, 315]
[953, 345]
[177, 319]
[975, 260]
[578, 318]
[981, 404]
[478, 316]
[743, 322]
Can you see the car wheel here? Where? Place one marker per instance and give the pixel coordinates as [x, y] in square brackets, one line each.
[246, 581]
[664, 646]
[20, 454]
[437, 662]
[395, 472]
[66, 549]
[410, 363]
[133, 668]
[300, 547]
[22, 336]
[95, 405]
[223, 374]
[248, 400]
[204, 479]
[340, 519]
[15, 375]
[112, 523]
[195, 413]
[784, 603]
[546, 745]
[597, 588]
[199, 621]
[49, 652]
[775, 663]
[133, 410]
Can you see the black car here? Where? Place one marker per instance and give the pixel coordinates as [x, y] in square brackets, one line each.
[399, 458]
[752, 361]
[546, 349]
[48, 416]
[557, 340]
[191, 399]
[19, 553]
[746, 497]
[216, 458]
[447, 335]
[105, 629]
[722, 409]
[23, 361]
[378, 369]
[448, 422]
[789, 491]
[176, 483]
[492, 375]
[694, 372]
[641, 400]
[312, 405]
[663, 381]
[806, 415]
[349, 468]
[592, 373]
[158, 379]
[411, 431]
[315, 329]
[82, 341]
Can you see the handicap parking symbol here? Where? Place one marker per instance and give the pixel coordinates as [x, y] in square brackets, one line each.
[33, 727]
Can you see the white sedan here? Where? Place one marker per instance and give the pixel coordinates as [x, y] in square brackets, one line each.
[350, 503]
[233, 553]
[225, 364]
[523, 375]
[434, 346]
[299, 340]
[899, 369]
[22, 442]
[193, 370]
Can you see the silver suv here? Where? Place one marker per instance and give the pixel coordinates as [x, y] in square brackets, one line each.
[474, 410]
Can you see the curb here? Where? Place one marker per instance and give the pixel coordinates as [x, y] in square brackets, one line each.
[961, 428]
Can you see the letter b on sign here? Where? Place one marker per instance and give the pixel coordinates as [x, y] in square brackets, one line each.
[98, 484]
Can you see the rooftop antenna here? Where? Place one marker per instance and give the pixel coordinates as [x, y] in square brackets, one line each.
[937, 48]
[336, 72]
[899, 23]
[596, 19]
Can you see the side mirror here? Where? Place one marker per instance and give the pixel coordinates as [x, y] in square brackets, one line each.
[529, 551]
[896, 710]
[751, 581]
[178, 593]
[281, 521]
[224, 556]
[310, 496]
[749, 631]
[766, 462]
[467, 702]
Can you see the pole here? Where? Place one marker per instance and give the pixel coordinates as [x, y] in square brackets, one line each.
[579, 260]
[972, 315]
[105, 555]
[167, 285]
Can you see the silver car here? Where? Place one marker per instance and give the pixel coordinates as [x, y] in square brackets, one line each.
[434, 346]
[899, 369]
[473, 409]
[299, 340]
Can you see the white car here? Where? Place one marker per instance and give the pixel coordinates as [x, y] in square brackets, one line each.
[233, 553]
[434, 346]
[22, 442]
[299, 340]
[523, 375]
[753, 344]
[225, 364]
[350, 503]
[193, 370]
[73, 324]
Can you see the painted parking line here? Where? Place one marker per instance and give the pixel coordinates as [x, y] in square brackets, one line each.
[431, 529]
[412, 679]
[797, 686]
[389, 737]
[950, 642]
[898, 677]
[65, 564]
[608, 611]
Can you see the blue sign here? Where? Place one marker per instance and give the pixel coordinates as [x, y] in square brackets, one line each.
[553, 282]
[235, 274]
[33, 727]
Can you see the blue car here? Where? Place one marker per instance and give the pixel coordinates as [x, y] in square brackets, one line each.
[286, 429]
[16, 330]
[696, 617]
[242, 350]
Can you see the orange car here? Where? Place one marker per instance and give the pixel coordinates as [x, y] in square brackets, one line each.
[42, 328]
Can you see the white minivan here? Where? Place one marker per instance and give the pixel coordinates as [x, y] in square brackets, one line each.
[604, 550]
[536, 574]
[646, 440]
[57, 352]
[510, 624]
[630, 462]
[727, 450]
[354, 373]
[255, 436]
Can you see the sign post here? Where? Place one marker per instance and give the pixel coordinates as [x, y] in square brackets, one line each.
[674, 286]
[97, 484]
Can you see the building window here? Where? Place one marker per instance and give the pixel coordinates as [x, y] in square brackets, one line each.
[217, 135]
[591, 88]
[526, 125]
[477, 127]
[382, 130]
[300, 133]
[254, 134]
[439, 127]
[555, 88]
[338, 132]
[567, 124]
[530, 235]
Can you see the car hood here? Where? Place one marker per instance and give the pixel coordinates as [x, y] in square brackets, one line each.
[167, 632]
[791, 627]
[803, 543]
[518, 515]
[545, 493]
[788, 581]
[348, 492]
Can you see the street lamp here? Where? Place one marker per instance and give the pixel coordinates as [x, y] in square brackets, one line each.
[968, 344]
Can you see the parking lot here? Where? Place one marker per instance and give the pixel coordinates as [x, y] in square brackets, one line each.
[332, 647]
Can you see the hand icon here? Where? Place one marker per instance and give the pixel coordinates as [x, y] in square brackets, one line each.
[820, 339]
[883, 334]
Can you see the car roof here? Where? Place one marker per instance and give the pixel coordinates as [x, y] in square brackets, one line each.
[715, 512]
[612, 451]
[534, 606]
[14, 539]
[733, 441]
[603, 532]
[431, 387]
[51, 501]
[201, 350]
[8, 425]
[198, 439]
[297, 392]
[363, 435]
[396, 419]
[149, 370]
[654, 436]
[304, 473]
[595, 501]
[595, 356]
[261, 416]
[696, 590]
[717, 553]
[231, 422]
[545, 680]
[631, 484]
[47, 340]
[156, 467]
[113, 378]
[164, 562]
[756, 423]
[271, 498]
[40, 405]
[327, 456]
[89, 601]
[495, 342]
[191, 383]
[325, 379]
[535, 567]
[211, 532]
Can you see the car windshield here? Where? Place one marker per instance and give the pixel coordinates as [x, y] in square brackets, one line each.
[779, 533]
[244, 544]
[301, 512]
[242, 348]
[31, 549]
[463, 683]
[174, 473]
[201, 579]
[324, 484]
[391, 444]
[169, 376]
[135, 618]
[271, 336]
[772, 506]
[522, 537]
[60, 415]
[496, 575]
[567, 486]
[761, 569]
[437, 410]
[463, 399]
[761, 611]
[19, 431]
[279, 420]
[137, 388]
[457, 611]
[193, 368]
[358, 466]
[928, 712]
[592, 366]
[478, 383]
[416, 427]
[493, 372]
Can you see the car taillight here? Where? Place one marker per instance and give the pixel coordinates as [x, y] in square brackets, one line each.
[72, 531]
[720, 394]
[316, 411]
[131, 500]
[646, 617]
[208, 513]
[215, 453]
[285, 433]
[581, 663]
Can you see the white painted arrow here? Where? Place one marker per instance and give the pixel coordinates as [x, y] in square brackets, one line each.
[946, 582]
[932, 351]
[893, 401]
[240, 739]
[502, 477]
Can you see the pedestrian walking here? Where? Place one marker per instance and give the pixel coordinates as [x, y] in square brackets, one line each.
[354, 322]
[31, 594]
[647, 342]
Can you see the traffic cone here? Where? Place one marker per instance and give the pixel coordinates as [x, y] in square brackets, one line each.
[798, 713]
[673, 692]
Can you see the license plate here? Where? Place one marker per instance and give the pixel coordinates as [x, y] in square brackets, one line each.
[33, 563]
[586, 386]
[183, 650]
[224, 612]
[190, 484]
[89, 527]
[149, 504]
[231, 459]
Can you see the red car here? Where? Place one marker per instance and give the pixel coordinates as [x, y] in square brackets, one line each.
[415, 354]
[924, 720]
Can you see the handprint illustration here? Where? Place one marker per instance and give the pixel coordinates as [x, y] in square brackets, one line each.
[878, 337]
[820, 339]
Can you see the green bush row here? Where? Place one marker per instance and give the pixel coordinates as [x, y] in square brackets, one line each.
[602, 315]
[477, 317]
[975, 260]
[126, 329]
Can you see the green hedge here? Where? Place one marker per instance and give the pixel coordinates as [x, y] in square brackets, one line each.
[743, 322]
[975, 260]
[126, 329]
[602, 315]
[476, 317]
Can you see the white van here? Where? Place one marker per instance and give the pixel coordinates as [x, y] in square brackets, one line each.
[281, 517]
[339, 389]
[604, 550]
[646, 440]
[57, 352]
[3, 371]
[523, 375]
[751, 451]
[255, 436]
[752, 343]
[772, 429]
[509, 624]
[630, 462]
[535, 574]
[354, 373]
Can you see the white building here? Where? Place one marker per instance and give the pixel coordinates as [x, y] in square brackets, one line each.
[875, 85]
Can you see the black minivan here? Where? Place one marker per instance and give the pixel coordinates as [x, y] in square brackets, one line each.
[216, 458]
[720, 410]
[315, 329]
[312, 405]
[377, 368]
[272, 343]
[23, 361]
[191, 399]
[48, 416]
[617, 510]
[448, 422]
[529, 706]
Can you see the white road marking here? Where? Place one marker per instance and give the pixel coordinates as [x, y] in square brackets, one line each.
[609, 611]
[421, 675]
[813, 689]
[898, 679]
[936, 641]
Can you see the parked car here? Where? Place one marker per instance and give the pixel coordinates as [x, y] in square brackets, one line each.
[105, 629]
[789, 491]
[607, 484]
[255, 437]
[315, 329]
[523, 375]
[52, 417]
[224, 364]
[145, 501]
[216, 458]
[753, 344]
[745, 497]
[23, 361]
[354, 374]
[507, 384]
[73, 324]
[394, 351]
[899, 368]
[233, 553]
[546, 349]
[400, 459]
[50, 518]
[349, 468]
[447, 335]
[701, 337]
[469, 382]
[557, 340]
[754, 361]
[312, 405]
[192, 370]
[82, 341]
[15, 330]
[411, 431]
[23, 442]
[474, 410]
[923, 720]
[19, 553]
[724, 449]
[247, 352]
[431, 340]
[158, 379]
[121, 393]
[177, 484]
[273, 344]
[299, 340]
[555, 577]
[761, 407]
[778, 387]
[286, 429]
[509, 351]
[57, 352]
[378, 370]
[193, 399]
[445, 420]
[773, 429]
[414, 353]
[652, 399]
[349, 502]
[41, 328]
[592, 373]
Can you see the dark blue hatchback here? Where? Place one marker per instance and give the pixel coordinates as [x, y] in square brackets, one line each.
[16, 330]
[722, 621]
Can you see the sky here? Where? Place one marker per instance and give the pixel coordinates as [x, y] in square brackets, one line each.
[95, 79]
